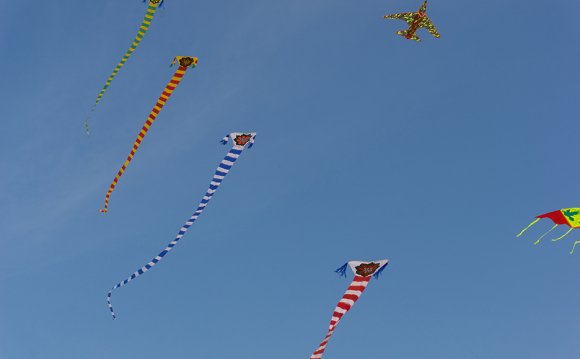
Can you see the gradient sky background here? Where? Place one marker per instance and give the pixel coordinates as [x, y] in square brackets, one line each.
[431, 154]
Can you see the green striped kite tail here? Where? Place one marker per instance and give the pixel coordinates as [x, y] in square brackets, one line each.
[142, 30]
[151, 8]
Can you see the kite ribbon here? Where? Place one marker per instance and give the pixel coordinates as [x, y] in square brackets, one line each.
[240, 140]
[528, 227]
[184, 64]
[363, 272]
[153, 5]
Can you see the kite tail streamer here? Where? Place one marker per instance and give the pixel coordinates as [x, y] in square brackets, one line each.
[574, 247]
[363, 272]
[528, 227]
[543, 235]
[562, 236]
[240, 141]
[185, 63]
[153, 5]
[225, 139]
[378, 273]
[342, 270]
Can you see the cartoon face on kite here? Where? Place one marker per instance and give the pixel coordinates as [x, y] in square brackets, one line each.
[241, 140]
[185, 61]
[155, 2]
[367, 269]
[566, 216]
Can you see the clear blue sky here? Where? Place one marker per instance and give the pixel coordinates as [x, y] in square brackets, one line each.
[433, 155]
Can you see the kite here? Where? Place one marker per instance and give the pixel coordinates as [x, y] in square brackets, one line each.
[184, 63]
[240, 140]
[153, 5]
[566, 216]
[362, 274]
[416, 20]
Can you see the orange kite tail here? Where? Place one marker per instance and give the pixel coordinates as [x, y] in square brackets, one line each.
[184, 63]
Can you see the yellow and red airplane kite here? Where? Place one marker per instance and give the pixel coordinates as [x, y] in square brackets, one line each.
[416, 20]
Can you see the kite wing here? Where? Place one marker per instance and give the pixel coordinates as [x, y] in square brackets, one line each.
[406, 16]
[428, 24]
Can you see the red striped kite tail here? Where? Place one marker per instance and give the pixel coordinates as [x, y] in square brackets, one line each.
[185, 63]
[363, 272]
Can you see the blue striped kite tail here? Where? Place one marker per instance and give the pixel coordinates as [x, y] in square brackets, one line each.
[223, 169]
[154, 261]
[109, 303]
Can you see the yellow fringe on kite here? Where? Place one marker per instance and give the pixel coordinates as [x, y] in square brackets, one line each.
[543, 235]
[528, 227]
[562, 236]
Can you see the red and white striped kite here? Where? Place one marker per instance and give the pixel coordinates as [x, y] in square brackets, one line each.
[362, 275]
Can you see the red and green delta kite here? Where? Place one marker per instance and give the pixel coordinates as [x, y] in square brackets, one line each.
[567, 216]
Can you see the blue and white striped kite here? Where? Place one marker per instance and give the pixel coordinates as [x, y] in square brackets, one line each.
[240, 141]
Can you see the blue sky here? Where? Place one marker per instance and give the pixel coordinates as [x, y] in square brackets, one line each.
[433, 155]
